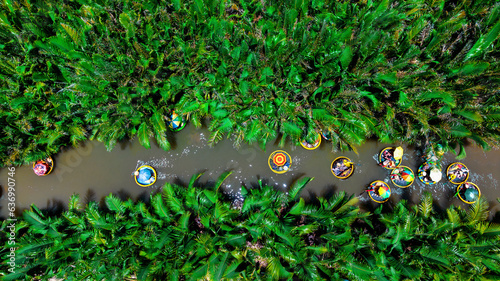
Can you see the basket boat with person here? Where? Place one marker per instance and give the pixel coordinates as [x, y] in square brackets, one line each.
[342, 167]
[457, 173]
[402, 176]
[311, 146]
[468, 192]
[280, 162]
[379, 191]
[429, 174]
[390, 157]
[43, 167]
[145, 176]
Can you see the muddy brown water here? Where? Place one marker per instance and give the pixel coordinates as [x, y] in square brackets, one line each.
[93, 173]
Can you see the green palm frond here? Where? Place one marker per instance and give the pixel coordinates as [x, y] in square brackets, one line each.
[144, 133]
[478, 211]
[114, 203]
[74, 203]
[297, 187]
[425, 208]
[159, 207]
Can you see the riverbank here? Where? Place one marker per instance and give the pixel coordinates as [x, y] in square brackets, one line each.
[417, 73]
[195, 232]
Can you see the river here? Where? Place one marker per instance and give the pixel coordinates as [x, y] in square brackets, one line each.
[93, 172]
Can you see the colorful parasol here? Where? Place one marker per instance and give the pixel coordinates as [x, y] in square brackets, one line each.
[407, 176]
[398, 153]
[175, 122]
[279, 161]
[40, 169]
[384, 192]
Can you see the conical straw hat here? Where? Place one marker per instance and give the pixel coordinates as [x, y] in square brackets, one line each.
[398, 153]
[436, 175]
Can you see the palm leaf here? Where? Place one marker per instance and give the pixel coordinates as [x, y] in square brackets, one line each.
[291, 129]
[194, 178]
[425, 207]
[143, 134]
[72, 33]
[215, 137]
[346, 57]
[159, 206]
[471, 68]
[453, 216]
[484, 42]
[34, 219]
[297, 187]
[221, 179]
[184, 221]
[162, 141]
[298, 207]
[276, 269]
[474, 116]
[220, 267]
[74, 203]
[171, 198]
[114, 203]
[478, 211]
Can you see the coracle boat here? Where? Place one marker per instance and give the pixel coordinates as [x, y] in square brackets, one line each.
[311, 146]
[145, 176]
[457, 173]
[280, 161]
[402, 176]
[342, 167]
[468, 192]
[429, 175]
[379, 191]
[43, 167]
[390, 157]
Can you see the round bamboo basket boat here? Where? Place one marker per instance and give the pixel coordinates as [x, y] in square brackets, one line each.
[310, 146]
[345, 173]
[374, 195]
[461, 169]
[462, 189]
[279, 161]
[381, 159]
[402, 176]
[154, 175]
[49, 162]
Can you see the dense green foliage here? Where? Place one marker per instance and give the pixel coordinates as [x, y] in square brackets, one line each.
[412, 71]
[188, 233]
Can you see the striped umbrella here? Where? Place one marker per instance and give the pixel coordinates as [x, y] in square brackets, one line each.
[279, 159]
[176, 123]
[383, 191]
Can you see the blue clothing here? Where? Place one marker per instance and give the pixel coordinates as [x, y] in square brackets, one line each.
[471, 194]
[146, 176]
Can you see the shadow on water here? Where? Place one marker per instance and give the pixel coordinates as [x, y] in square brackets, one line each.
[94, 173]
